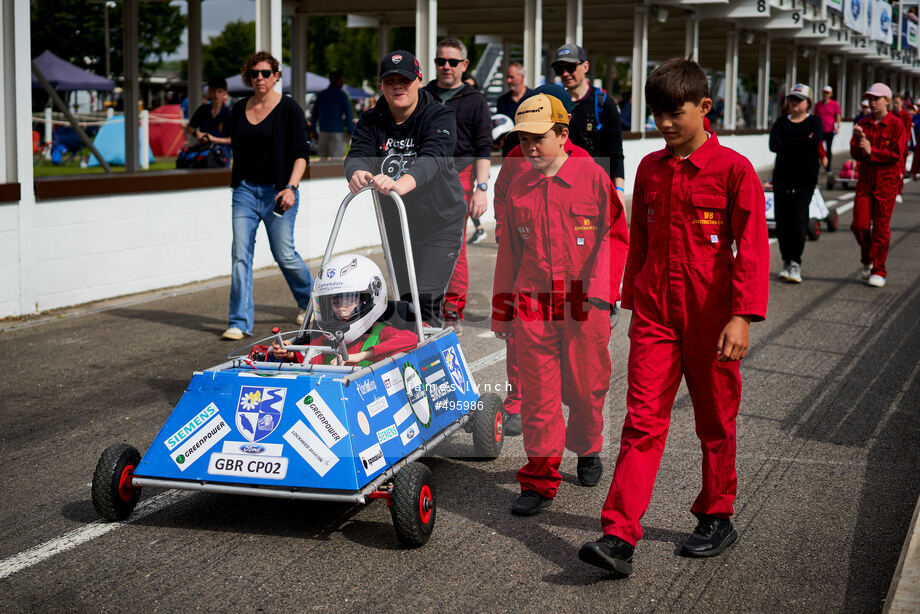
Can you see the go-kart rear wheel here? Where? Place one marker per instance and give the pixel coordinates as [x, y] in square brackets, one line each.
[488, 427]
[413, 506]
[114, 494]
[814, 229]
[833, 221]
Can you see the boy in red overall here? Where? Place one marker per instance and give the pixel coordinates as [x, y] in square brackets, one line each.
[878, 145]
[557, 275]
[692, 302]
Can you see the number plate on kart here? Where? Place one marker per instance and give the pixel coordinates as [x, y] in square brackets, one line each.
[245, 466]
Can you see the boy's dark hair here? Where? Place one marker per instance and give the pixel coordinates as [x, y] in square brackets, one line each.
[675, 82]
[217, 83]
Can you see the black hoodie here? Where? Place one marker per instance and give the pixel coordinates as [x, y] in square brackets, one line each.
[474, 124]
[422, 146]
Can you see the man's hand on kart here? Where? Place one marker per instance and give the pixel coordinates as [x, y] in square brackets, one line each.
[385, 184]
[354, 359]
[280, 353]
[479, 203]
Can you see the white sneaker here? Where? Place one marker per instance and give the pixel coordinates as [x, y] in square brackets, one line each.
[784, 274]
[233, 334]
[795, 273]
[898, 199]
[301, 316]
[866, 272]
[876, 281]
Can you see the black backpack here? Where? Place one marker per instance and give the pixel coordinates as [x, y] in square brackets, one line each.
[204, 154]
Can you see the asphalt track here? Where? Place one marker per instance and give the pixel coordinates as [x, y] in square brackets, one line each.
[829, 450]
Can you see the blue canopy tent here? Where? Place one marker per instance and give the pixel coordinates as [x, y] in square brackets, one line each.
[64, 76]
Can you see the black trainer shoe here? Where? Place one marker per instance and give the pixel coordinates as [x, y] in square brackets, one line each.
[513, 426]
[609, 552]
[529, 503]
[452, 318]
[590, 469]
[711, 536]
[478, 236]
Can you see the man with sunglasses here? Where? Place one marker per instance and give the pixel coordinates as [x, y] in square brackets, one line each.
[595, 123]
[472, 155]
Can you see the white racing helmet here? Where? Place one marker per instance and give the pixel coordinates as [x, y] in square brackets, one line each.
[349, 295]
[501, 125]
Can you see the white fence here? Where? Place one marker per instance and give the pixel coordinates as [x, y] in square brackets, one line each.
[87, 249]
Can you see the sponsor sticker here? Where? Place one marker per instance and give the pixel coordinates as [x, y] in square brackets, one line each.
[367, 386]
[410, 433]
[243, 466]
[439, 390]
[581, 240]
[376, 406]
[392, 381]
[417, 394]
[247, 447]
[363, 423]
[400, 416]
[472, 383]
[194, 448]
[258, 411]
[372, 459]
[190, 427]
[311, 448]
[437, 375]
[713, 238]
[452, 360]
[322, 418]
[386, 434]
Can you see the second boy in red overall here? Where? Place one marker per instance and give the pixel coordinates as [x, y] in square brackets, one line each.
[557, 275]
[692, 302]
[878, 143]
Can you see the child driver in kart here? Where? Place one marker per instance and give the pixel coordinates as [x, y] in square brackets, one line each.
[349, 296]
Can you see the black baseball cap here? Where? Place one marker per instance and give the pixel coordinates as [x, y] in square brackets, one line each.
[570, 53]
[400, 62]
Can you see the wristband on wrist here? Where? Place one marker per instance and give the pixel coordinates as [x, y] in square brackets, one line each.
[621, 189]
[291, 187]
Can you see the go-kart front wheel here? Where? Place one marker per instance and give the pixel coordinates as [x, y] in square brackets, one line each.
[814, 229]
[114, 494]
[488, 427]
[413, 506]
[833, 220]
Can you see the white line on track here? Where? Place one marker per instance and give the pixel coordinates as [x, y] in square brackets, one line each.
[74, 538]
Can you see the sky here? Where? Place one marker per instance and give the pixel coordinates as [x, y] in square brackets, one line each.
[215, 14]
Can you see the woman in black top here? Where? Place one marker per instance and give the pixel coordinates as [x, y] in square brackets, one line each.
[405, 144]
[795, 138]
[270, 153]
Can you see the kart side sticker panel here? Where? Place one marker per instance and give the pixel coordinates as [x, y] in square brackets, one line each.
[311, 430]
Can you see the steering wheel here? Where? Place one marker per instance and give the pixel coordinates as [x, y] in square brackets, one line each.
[281, 337]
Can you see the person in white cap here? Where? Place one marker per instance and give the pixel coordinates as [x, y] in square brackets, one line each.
[795, 138]
[877, 143]
[829, 112]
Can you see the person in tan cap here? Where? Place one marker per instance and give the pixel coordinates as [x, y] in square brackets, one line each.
[557, 276]
[877, 144]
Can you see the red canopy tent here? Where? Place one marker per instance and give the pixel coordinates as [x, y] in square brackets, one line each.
[166, 130]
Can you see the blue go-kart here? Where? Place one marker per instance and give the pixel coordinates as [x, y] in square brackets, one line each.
[313, 431]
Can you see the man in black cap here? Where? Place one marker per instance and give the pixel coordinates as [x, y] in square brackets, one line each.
[405, 144]
[595, 123]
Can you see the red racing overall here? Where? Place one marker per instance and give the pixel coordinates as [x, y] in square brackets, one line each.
[564, 240]
[684, 285]
[876, 188]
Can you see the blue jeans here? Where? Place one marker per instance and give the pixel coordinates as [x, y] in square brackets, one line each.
[253, 203]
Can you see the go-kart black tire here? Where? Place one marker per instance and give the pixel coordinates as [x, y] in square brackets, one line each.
[413, 505]
[814, 229]
[114, 495]
[833, 221]
[831, 180]
[488, 427]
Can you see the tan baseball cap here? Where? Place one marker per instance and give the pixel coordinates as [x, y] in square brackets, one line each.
[538, 114]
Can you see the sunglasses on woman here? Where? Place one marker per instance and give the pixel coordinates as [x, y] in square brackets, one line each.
[442, 61]
[565, 67]
[265, 72]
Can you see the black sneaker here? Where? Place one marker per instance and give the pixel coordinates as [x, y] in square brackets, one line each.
[513, 426]
[529, 503]
[478, 236]
[711, 536]
[590, 469]
[453, 319]
[609, 552]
